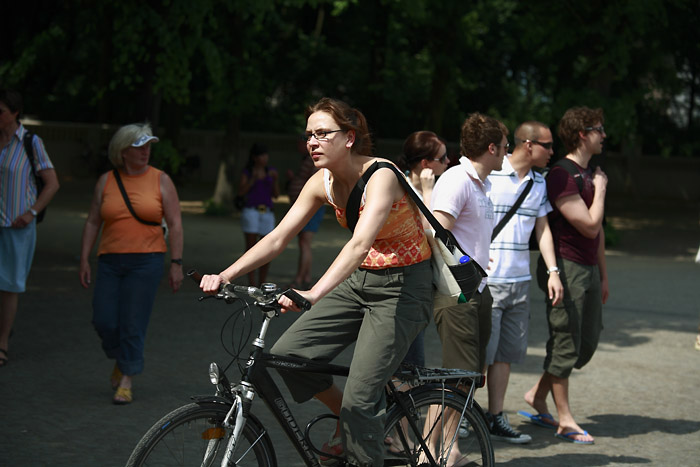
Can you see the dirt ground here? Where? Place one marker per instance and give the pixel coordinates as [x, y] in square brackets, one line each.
[638, 396]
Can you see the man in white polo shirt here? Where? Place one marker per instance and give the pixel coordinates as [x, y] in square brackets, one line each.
[509, 270]
[460, 203]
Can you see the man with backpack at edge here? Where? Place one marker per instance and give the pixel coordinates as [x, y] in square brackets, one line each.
[576, 223]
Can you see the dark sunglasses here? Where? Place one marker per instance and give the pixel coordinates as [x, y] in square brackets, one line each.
[547, 145]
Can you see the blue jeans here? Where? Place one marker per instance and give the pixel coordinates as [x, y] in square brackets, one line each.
[125, 290]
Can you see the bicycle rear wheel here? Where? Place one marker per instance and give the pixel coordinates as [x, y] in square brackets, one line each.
[438, 415]
[194, 435]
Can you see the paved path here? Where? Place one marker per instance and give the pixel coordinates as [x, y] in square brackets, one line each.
[638, 397]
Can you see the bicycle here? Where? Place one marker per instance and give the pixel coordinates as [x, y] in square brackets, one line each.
[222, 430]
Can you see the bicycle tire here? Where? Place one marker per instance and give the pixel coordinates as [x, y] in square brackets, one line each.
[183, 436]
[474, 442]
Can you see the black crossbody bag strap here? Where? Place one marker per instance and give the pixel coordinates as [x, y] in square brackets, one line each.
[353, 207]
[127, 202]
[511, 211]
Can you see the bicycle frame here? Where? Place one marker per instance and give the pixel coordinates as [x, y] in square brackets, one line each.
[257, 380]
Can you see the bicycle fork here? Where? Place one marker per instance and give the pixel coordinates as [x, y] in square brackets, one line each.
[235, 420]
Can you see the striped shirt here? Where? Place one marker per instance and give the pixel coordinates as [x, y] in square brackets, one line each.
[510, 249]
[17, 185]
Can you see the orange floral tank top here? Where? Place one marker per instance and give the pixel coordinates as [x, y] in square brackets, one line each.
[400, 242]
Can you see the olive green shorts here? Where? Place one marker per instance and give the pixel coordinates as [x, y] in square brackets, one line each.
[575, 323]
[465, 330]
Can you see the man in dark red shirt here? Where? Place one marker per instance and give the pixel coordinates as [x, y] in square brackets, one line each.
[579, 242]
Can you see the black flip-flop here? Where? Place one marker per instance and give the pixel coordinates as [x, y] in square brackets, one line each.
[3, 360]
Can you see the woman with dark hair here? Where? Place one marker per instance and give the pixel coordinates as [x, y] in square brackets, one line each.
[377, 293]
[259, 187]
[20, 203]
[424, 158]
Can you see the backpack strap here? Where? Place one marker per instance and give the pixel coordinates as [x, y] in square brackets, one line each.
[29, 149]
[352, 208]
[572, 169]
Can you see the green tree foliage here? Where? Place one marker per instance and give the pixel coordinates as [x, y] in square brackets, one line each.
[408, 64]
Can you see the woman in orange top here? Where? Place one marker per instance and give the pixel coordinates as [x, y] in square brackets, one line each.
[377, 292]
[131, 251]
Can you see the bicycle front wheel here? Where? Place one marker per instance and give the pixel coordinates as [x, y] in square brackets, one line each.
[194, 435]
[453, 434]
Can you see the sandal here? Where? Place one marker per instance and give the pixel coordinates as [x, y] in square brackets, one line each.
[123, 396]
[4, 360]
[116, 377]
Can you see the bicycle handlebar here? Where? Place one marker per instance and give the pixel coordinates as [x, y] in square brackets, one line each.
[269, 295]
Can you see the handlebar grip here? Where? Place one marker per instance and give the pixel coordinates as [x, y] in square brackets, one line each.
[303, 303]
[194, 275]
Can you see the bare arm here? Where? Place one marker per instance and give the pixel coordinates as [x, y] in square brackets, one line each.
[427, 182]
[446, 220]
[271, 245]
[588, 221]
[603, 268]
[383, 190]
[546, 244]
[51, 186]
[90, 231]
[275, 183]
[173, 217]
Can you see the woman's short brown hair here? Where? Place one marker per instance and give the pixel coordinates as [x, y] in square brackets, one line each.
[347, 118]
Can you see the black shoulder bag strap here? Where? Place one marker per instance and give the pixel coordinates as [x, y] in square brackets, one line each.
[511, 211]
[127, 202]
[570, 167]
[353, 207]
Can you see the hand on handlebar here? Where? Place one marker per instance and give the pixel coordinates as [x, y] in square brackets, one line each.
[210, 283]
[288, 305]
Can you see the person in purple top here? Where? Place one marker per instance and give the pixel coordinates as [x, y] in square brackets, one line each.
[259, 185]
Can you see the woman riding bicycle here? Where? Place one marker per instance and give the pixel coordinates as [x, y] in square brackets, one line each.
[376, 293]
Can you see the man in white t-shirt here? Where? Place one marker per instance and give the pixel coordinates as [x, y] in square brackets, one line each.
[509, 271]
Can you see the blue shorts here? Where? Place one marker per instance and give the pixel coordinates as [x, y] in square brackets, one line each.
[259, 221]
[17, 253]
[315, 222]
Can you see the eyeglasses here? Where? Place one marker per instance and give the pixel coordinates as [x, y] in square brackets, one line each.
[600, 129]
[442, 159]
[321, 135]
[547, 145]
[505, 146]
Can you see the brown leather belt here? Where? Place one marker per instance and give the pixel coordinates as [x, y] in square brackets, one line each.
[262, 208]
